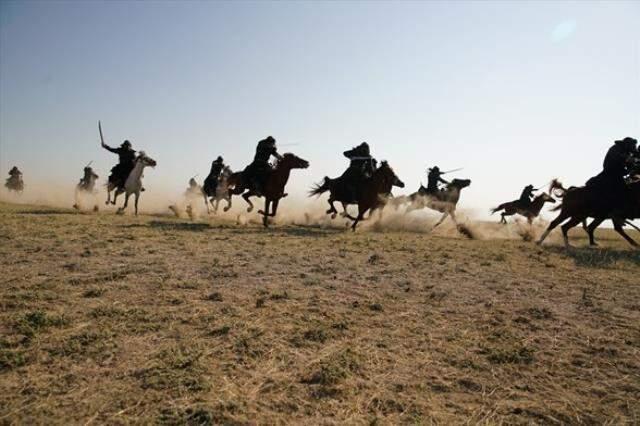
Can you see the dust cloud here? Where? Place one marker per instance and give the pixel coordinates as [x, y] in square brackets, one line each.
[293, 210]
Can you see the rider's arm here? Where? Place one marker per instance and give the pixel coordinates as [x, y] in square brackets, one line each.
[442, 180]
[108, 148]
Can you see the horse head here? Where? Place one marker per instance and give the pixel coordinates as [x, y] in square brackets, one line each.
[545, 198]
[460, 183]
[292, 161]
[143, 159]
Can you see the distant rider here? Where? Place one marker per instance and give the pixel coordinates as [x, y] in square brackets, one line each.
[526, 196]
[434, 178]
[88, 181]
[211, 182]
[258, 171]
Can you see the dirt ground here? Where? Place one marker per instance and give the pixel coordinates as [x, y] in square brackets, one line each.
[154, 319]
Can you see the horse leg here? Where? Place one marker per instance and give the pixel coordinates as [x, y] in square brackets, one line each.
[265, 212]
[126, 202]
[502, 218]
[332, 210]
[344, 209]
[567, 226]
[137, 197]
[361, 213]
[591, 229]
[618, 226]
[557, 221]
[115, 195]
[206, 203]
[246, 196]
[444, 216]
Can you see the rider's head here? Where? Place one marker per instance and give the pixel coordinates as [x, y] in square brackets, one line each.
[628, 144]
[192, 182]
[270, 140]
[219, 160]
[435, 169]
[126, 144]
[529, 187]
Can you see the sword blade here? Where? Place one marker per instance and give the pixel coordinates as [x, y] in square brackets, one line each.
[100, 129]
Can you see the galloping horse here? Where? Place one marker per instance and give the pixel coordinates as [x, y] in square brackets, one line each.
[221, 193]
[133, 184]
[444, 201]
[273, 189]
[15, 183]
[580, 203]
[530, 212]
[374, 194]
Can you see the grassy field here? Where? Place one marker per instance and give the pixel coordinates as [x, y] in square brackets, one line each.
[118, 319]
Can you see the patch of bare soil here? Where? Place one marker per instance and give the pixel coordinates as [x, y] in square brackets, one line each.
[157, 319]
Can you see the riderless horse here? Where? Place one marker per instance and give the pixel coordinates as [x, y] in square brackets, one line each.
[530, 211]
[133, 184]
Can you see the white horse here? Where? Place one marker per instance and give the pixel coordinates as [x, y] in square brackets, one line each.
[222, 191]
[133, 184]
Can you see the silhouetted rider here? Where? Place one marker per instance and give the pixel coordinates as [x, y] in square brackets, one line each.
[361, 166]
[126, 161]
[258, 171]
[211, 182]
[433, 179]
[526, 196]
[88, 181]
[614, 169]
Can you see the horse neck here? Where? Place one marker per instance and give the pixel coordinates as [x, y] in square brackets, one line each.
[537, 204]
[451, 194]
[136, 174]
[281, 174]
[379, 184]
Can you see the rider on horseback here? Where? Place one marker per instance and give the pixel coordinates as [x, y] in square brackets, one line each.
[15, 179]
[257, 172]
[433, 179]
[126, 161]
[614, 169]
[526, 196]
[88, 181]
[361, 167]
[211, 182]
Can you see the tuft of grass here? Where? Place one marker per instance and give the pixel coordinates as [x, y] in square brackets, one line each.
[36, 321]
[214, 297]
[93, 292]
[509, 355]
[175, 370]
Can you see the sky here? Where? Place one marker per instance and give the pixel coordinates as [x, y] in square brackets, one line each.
[513, 92]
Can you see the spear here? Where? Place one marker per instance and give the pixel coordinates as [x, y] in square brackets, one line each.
[453, 170]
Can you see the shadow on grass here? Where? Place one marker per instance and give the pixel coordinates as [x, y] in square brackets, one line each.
[173, 226]
[46, 212]
[293, 230]
[598, 257]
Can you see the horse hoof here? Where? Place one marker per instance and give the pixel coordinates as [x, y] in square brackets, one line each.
[249, 209]
[333, 216]
[260, 212]
[75, 206]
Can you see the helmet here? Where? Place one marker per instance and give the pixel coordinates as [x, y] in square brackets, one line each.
[435, 169]
[219, 159]
[192, 182]
[126, 144]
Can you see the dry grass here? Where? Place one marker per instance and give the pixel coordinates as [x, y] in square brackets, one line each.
[151, 319]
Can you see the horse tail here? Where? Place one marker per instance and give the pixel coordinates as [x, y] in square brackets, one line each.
[497, 209]
[319, 188]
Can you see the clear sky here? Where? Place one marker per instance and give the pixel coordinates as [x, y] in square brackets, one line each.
[515, 92]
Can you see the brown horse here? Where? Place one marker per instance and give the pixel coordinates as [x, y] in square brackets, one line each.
[273, 189]
[374, 194]
[444, 201]
[580, 203]
[530, 212]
